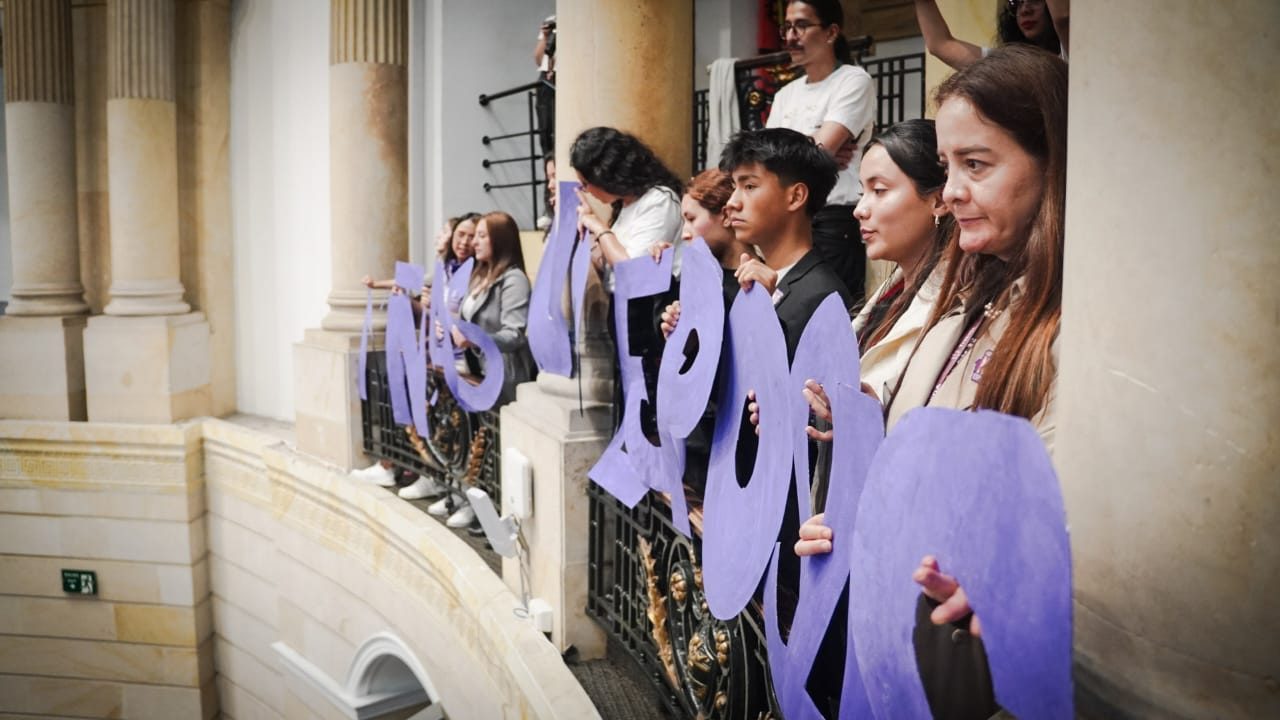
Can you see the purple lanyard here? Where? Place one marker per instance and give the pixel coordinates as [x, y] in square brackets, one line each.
[965, 345]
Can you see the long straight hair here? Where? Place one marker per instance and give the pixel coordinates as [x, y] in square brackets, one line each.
[1023, 90]
[912, 145]
[504, 241]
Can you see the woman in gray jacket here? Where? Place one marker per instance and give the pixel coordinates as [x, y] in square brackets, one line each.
[498, 301]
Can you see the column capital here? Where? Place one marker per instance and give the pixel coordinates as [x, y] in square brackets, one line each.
[369, 31]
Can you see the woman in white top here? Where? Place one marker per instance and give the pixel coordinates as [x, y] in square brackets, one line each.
[835, 104]
[619, 170]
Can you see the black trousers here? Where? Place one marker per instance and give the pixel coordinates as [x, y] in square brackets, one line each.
[544, 108]
[837, 239]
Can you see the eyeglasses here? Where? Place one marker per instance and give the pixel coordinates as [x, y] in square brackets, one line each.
[1016, 4]
[800, 26]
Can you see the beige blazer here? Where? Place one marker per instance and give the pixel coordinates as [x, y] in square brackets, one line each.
[883, 363]
[961, 386]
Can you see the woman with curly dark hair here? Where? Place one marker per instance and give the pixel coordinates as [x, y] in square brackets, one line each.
[1042, 23]
[619, 170]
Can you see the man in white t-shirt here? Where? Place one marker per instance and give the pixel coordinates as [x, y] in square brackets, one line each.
[835, 104]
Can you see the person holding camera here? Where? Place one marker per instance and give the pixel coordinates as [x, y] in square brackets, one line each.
[544, 56]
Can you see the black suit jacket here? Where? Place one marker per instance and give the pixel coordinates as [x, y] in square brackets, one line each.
[803, 288]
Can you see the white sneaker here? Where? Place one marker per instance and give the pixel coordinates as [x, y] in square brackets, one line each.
[375, 474]
[461, 518]
[440, 508]
[424, 487]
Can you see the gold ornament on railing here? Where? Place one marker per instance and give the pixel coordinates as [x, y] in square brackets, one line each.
[476, 459]
[678, 586]
[418, 445]
[658, 614]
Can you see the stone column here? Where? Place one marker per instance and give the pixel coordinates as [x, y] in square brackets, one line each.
[369, 206]
[147, 358]
[369, 150]
[1170, 359]
[142, 148]
[628, 64]
[41, 361]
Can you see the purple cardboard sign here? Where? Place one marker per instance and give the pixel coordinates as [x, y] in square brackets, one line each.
[682, 396]
[978, 491]
[447, 293]
[631, 464]
[409, 276]
[547, 330]
[828, 353]
[481, 397]
[740, 524]
[446, 296]
[578, 280]
[365, 330]
[406, 365]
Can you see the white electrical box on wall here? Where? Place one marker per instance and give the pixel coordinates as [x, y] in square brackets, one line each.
[517, 484]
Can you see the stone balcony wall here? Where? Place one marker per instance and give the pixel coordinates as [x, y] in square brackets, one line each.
[239, 577]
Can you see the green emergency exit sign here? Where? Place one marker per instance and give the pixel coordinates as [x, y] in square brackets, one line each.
[80, 582]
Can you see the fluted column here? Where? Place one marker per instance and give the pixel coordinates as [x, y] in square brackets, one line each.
[40, 136]
[369, 149]
[369, 215]
[142, 159]
[147, 359]
[640, 82]
[628, 64]
[41, 362]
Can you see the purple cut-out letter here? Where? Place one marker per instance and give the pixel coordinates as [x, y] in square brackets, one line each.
[405, 364]
[631, 464]
[827, 353]
[447, 293]
[548, 332]
[480, 397]
[740, 525]
[978, 491]
[365, 331]
[682, 397]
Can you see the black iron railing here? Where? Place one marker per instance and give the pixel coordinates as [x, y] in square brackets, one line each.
[701, 126]
[899, 90]
[645, 589]
[462, 448]
[532, 134]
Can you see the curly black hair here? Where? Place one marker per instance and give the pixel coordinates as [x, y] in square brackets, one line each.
[619, 163]
[1007, 30]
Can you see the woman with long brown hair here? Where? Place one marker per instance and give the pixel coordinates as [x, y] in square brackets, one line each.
[498, 301]
[1002, 138]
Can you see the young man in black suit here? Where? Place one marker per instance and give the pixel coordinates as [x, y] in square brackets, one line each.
[781, 179]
